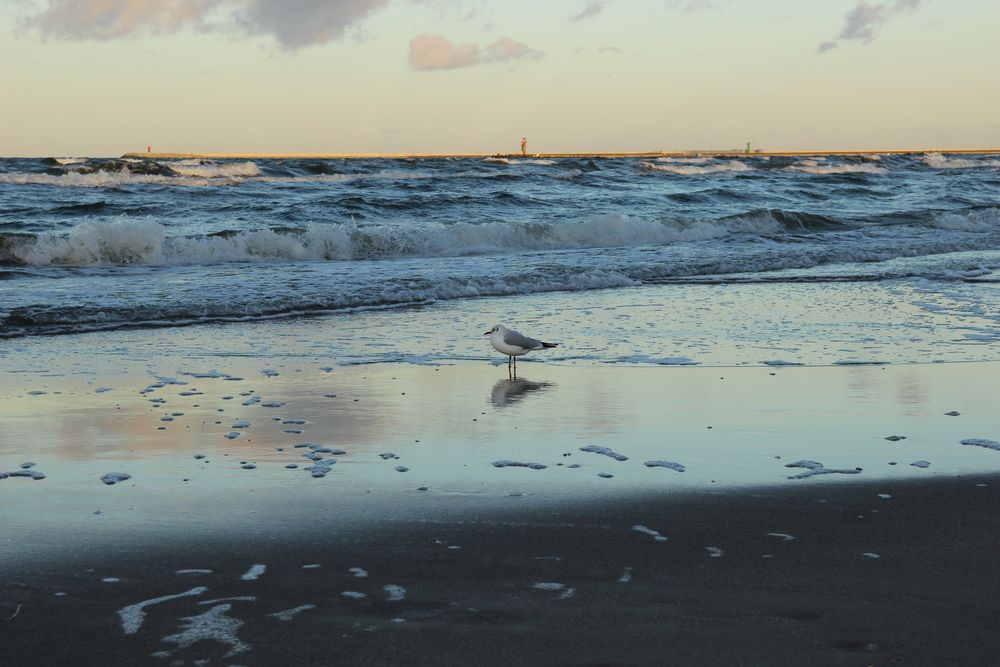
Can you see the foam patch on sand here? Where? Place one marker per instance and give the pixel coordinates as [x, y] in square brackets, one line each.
[784, 537]
[254, 572]
[979, 442]
[213, 625]
[115, 477]
[321, 468]
[649, 531]
[133, 615]
[234, 598]
[321, 448]
[358, 571]
[597, 449]
[394, 592]
[289, 614]
[506, 463]
[549, 586]
[813, 468]
[665, 464]
[33, 474]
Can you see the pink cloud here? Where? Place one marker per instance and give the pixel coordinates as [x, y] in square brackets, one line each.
[434, 52]
[294, 24]
[109, 19]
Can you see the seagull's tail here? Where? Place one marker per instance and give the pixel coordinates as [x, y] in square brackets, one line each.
[544, 345]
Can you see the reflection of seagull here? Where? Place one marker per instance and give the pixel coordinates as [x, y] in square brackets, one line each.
[509, 342]
[506, 392]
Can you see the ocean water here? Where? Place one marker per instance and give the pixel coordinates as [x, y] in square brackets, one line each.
[866, 259]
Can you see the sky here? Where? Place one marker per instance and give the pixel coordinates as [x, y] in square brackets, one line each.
[103, 77]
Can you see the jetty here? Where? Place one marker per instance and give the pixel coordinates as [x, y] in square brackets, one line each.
[732, 153]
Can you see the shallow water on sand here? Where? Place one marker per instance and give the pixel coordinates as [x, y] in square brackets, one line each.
[228, 446]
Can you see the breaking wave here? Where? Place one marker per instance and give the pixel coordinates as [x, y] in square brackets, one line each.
[206, 169]
[981, 220]
[814, 167]
[938, 161]
[127, 242]
[192, 175]
[695, 169]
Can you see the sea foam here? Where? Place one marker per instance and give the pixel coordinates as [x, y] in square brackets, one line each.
[127, 241]
[813, 167]
[696, 169]
[938, 161]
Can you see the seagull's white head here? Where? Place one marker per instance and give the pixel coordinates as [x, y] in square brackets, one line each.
[495, 329]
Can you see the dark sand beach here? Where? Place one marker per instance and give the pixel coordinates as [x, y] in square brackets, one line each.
[416, 548]
[795, 580]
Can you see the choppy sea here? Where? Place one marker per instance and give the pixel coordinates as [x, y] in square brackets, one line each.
[853, 259]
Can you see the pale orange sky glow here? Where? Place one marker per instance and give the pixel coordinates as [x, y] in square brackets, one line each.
[103, 78]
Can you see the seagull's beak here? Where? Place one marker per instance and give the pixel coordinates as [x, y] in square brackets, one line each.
[487, 333]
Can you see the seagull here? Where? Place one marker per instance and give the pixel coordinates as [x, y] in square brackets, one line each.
[510, 342]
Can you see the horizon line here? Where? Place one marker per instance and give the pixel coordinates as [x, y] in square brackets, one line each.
[732, 152]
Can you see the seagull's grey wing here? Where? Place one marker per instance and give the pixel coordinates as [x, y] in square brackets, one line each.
[520, 340]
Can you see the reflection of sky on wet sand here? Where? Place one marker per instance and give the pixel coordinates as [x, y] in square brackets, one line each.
[731, 426]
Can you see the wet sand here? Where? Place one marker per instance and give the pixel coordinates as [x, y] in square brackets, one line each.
[772, 576]
[417, 548]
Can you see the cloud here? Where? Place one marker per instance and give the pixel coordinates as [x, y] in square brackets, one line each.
[434, 52]
[690, 6]
[294, 24]
[109, 19]
[299, 23]
[864, 21]
[593, 8]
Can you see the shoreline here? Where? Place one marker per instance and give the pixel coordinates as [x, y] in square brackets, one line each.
[552, 155]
